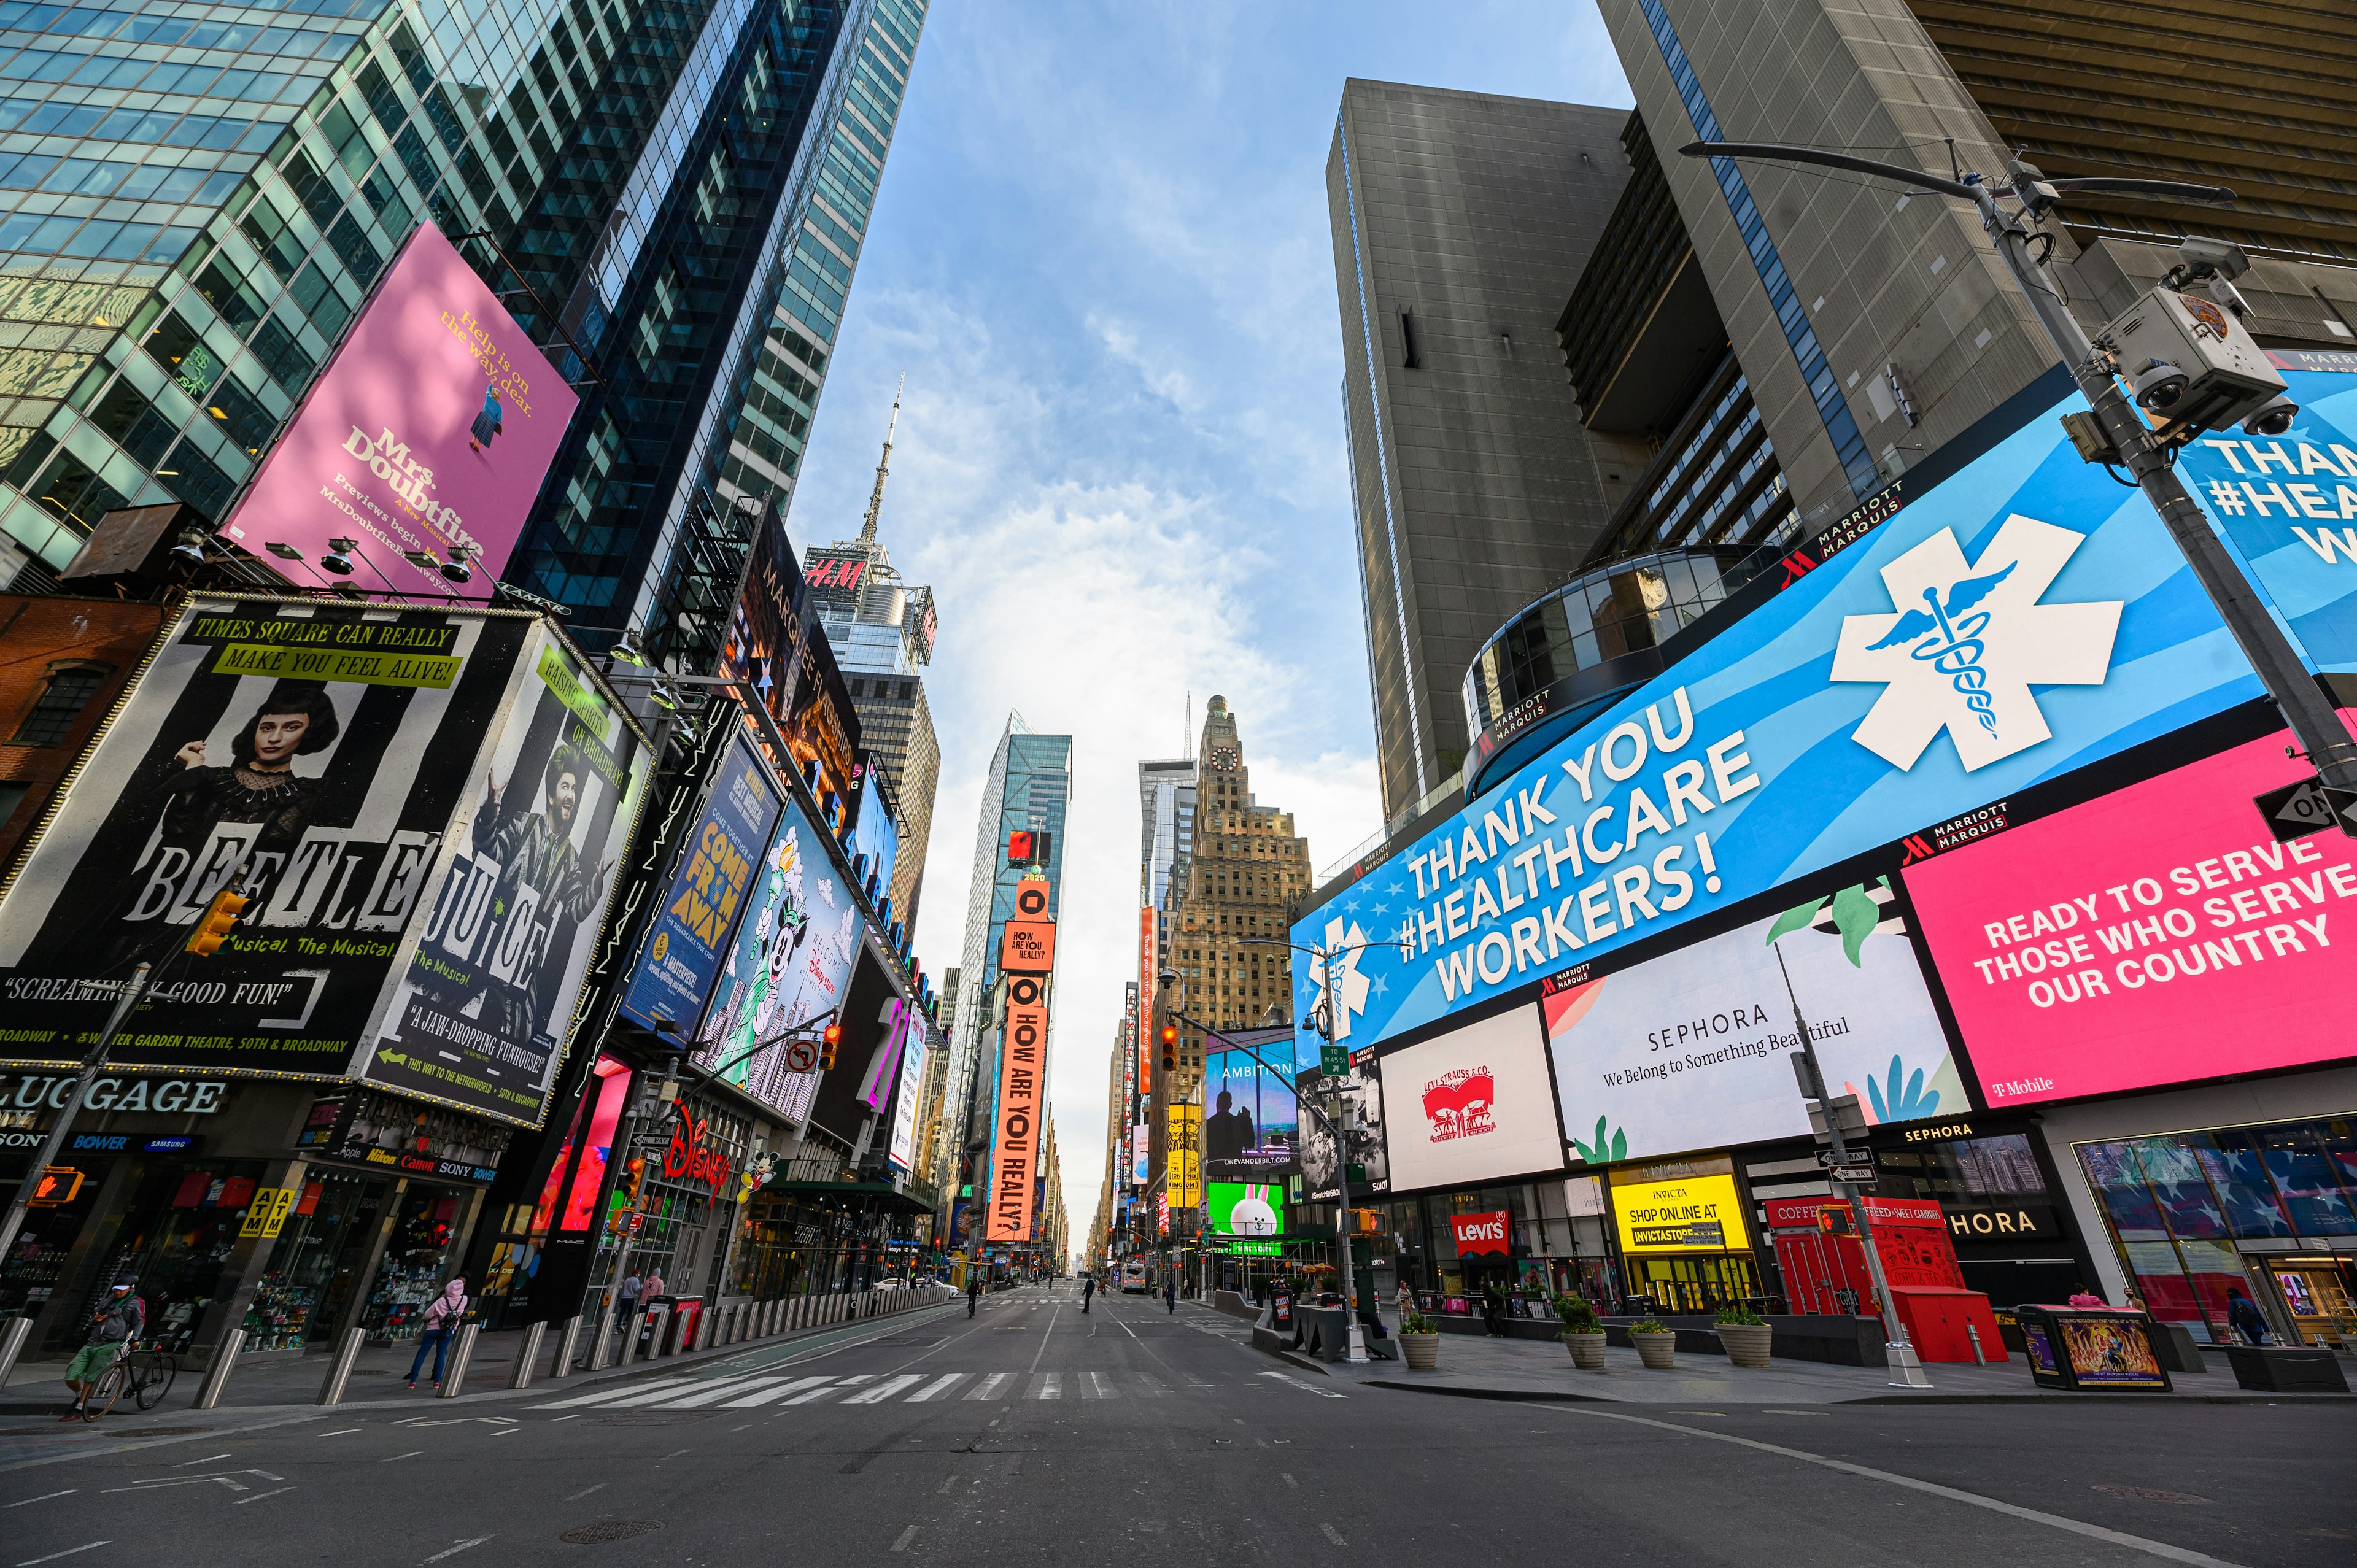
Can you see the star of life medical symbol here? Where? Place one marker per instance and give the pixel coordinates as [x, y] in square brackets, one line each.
[1347, 985]
[1967, 641]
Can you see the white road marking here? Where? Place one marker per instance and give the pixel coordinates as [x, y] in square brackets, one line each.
[664, 1396]
[886, 1390]
[1047, 1386]
[206, 1460]
[1305, 1387]
[462, 1546]
[1333, 1535]
[68, 1551]
[341, 1431]
[720, 1392]
[1289, 1481]
[937, 1388]
[411, 1455]
[947, 1482]
[766, 1395]
[602, 1395]
[2035, 1516]
[258, 1497]
[584, 1492]
[1103, 1391]
[45, 1497]
[992, 1387]
[829, 1386]
[906, 1536]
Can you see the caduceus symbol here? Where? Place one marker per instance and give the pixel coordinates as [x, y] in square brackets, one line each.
[1956, 646]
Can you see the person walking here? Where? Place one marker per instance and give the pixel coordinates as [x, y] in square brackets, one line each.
[973, 1289]
[1169, 1290]
[626, 1297]
[1494, 1311]
[114, 1327]
[440, 1327]
[2242, 1315]
[1088, 1289]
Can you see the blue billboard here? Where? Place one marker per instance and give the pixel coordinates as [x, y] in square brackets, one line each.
[707, 894]
[2024, 617]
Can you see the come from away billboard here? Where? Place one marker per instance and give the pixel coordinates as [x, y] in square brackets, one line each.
[2026, 617]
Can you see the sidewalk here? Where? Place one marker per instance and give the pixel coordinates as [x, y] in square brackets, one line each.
[1475, 1367]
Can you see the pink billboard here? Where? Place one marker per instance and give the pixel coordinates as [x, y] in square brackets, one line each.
[424, 442]
[2153, 936]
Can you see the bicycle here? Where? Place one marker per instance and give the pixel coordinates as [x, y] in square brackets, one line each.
[145, 1375]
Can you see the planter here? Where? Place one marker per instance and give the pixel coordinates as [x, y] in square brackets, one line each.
[1586, 1350]
[1747, 1343]
[1422, 1351]
[2286, 1369]
[1658, 1351]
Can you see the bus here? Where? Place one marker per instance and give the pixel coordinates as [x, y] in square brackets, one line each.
[1132, 1277]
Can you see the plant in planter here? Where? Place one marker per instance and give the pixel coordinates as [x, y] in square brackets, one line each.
[1582, 1335]
[1745, 1336]
[1419, 1339]
[1656, 1342]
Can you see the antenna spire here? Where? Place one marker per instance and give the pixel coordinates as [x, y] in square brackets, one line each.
[883, 466]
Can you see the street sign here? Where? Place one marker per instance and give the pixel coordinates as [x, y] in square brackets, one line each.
[1334, 1059]
[1857, 1156]
[2296, 811]
[801, 1055]
[1853, 1173]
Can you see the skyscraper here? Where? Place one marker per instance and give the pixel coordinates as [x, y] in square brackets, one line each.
[1166, 805]
[669, 195]
[882, 632]
[1460, 221]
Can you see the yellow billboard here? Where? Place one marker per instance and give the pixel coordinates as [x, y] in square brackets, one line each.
[1679, 1214]
[1183, 1147]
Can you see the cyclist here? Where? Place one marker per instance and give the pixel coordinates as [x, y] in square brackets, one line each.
[113, 1328]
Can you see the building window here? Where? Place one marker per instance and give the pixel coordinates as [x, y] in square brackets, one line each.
[67, 691]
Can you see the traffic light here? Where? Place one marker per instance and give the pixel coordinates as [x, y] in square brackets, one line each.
[827, 1046]
[1170, 1048]
[213, 924]
[1362, 1221]
[1834, 1220]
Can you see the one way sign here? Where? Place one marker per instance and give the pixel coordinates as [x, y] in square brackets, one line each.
[2308, 807]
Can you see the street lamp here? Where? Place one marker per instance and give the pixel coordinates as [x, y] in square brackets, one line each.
[2148, 455]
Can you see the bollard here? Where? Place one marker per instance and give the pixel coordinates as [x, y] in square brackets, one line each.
[654, 1321]
[217, 1375]
[707, 1327]
[12, 1345]
[527, 1352]
[460, 1353]
[605, 1325]
[1972, 1332]
[340, 1369]
[562, 1367]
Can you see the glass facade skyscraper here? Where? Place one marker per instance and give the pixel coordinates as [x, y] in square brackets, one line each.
[669, 195]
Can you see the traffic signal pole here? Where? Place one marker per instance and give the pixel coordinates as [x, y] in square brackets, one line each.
[96, 1063]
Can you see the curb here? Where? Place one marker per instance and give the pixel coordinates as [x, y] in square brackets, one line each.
[1528, 1396]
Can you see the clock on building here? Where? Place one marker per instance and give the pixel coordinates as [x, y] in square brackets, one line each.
[1223, 756]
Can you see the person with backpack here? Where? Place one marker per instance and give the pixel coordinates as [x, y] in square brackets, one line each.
[1088, 1289]
[1170, 1291]
[441, 1326]
[114, 1327]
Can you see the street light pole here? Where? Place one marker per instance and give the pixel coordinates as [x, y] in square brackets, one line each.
[2308, 712]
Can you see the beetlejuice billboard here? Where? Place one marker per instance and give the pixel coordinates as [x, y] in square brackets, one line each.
[2021, 619]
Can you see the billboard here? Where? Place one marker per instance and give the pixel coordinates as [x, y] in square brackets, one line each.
[906, 1106]
[430, 432]
[1149, 986]
[1321, 1163]
[482, 1013]
[1660, 1210]
[1690, 1050]
[1253, 1132]
[689, 939]
[326, 747]
[1022, 1090]
[789, 964]
[1182, 1144]
[2153, 935]
[1473, 1105]
[2016, 621]
[1245, 1209]
[1141, 1153]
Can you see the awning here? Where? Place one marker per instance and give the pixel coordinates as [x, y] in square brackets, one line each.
[857, 1194]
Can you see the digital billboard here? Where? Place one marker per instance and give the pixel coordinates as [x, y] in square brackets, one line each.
[482, 1013]
[1690, 1050]
[689, 937]
[788, 966]
[430, 432]
[1245, 1209]
[906, 1104]
[1252, 1132]
[1022, 1091]
[1472, 1105]
[1362, 1089]
[1658, 1210]
[324, 747]
[2016, 621]
[2151, 936]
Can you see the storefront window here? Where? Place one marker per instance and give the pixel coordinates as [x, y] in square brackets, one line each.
[2180, 1187]
[175, 1254]
[410, 1274]
[2239, 1176]
[316, 1264]
[2306, 1179]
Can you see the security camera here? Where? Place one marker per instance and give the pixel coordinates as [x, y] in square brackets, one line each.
[2274, 418]
[2158, 386]
[2212, 258]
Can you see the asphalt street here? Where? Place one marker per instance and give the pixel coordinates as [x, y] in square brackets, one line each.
[1128, 1435]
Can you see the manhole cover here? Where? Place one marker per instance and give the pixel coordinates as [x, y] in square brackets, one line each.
[2151, 1495]
[610, 1530]
[650, 1418]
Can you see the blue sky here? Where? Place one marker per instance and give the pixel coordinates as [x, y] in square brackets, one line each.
[1102, 255]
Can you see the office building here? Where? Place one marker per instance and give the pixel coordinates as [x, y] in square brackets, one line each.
[882, 630]
[669, 200]
[1460, 221]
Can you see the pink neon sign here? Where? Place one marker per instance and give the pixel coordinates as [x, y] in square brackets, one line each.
[2153, 936]
[430, 432]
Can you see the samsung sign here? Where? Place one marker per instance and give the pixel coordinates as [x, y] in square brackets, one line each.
[2026, 617]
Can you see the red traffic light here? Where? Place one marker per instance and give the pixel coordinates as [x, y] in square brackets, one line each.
[827, 1046]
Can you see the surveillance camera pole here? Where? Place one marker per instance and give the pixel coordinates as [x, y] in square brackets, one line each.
[2309, 713]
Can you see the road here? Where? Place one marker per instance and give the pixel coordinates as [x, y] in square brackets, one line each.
[1036, 1433]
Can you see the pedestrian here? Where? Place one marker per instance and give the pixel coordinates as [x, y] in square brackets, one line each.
[972, 1288]
[113, 1328]
[1494, 1311]
[2242, 1315]
[1406, 1301]
[624, 1298]
[1170, 1292]
[653, 1287]
[1088, 1289]
[2084, 1297]
[441, 1325]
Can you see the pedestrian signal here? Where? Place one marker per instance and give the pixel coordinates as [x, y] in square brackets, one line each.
[833, 1040]
[213, 924]
[1834, 1220]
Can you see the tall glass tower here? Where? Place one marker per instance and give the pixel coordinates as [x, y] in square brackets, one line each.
[669, 194]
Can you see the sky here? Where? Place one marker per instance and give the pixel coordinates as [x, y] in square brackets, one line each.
[1101, 254]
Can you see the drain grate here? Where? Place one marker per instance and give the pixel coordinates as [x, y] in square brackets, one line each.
[610, 1530]
[2150, 1495]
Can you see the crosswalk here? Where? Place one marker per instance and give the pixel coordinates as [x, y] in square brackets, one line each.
[753, 1390]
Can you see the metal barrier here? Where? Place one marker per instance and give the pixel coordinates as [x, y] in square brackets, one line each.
[217, 1375]
[339, 1370]
[527, 1352]
[562, 1367]
[463, 1351]
[606, 1324]
[654, 1320]
[12, 1345]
